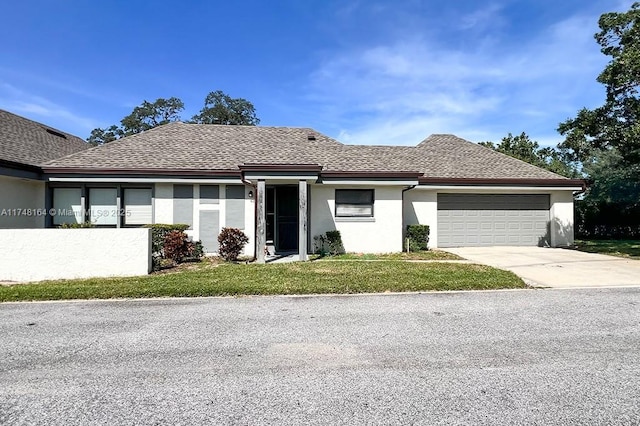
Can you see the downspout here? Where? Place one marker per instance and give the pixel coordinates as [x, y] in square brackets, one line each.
[408, 188]
[255, 213]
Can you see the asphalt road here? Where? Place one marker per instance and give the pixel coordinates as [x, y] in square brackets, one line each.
[512, 357]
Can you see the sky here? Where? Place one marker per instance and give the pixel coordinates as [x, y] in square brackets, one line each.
[362, 71]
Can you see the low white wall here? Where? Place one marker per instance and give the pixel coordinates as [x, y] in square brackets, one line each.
[43, 254]
[380, 234]
[561, 215]
[21, 203]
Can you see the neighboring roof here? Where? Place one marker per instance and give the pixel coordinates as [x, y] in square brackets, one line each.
[179, 147]
[29, 143]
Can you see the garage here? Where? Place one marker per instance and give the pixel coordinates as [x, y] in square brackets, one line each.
[492, 219]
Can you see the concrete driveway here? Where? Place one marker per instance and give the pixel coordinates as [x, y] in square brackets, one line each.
[555, 267]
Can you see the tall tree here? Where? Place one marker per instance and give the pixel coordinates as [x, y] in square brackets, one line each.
[143, 117]
[607, 139]
[220, 108]
[523, 148]
[152, 114]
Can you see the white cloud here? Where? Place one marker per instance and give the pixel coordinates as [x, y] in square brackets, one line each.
[399, 92]
[20, 102]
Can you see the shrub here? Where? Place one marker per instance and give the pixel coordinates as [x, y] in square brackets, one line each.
[418, 236]
[232, 241]
[77, 225]
[334, 240]
[177, 246]
[328, 243]
[158, 232]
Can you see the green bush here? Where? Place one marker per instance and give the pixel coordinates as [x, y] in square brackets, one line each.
[418, 236]
[77, 225]
[328, 243]
[232, 241]
[158, 233]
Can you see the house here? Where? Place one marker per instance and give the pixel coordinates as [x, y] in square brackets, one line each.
[25, 146]
[283, 186]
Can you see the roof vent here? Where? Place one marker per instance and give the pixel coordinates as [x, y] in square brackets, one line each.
[54, 133]
[311, 137]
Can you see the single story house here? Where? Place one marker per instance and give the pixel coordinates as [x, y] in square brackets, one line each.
[25, 146]
[283, 186]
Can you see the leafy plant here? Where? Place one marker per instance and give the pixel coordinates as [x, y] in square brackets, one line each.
[158, 232]
[177, 246]
[77, 225]
[232, 242]
[418, 236]
[334, 241]
[319, 242]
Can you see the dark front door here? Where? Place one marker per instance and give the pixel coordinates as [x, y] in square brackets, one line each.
[286, 218]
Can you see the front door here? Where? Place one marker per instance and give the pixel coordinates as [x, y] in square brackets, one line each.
[287, 218]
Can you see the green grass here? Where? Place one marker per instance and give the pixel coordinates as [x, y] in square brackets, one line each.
[621, 248]
[418, 255]
[207, 279]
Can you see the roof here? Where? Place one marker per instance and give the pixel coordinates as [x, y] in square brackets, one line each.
[179, 147]
[29, 143]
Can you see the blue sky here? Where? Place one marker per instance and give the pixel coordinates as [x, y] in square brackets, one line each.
[369, 72]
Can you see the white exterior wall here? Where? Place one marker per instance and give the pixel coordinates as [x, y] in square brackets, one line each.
[421, 208]
[561, 214]
[44, 254]
[163, 211]
[380, 234]
[21, 194]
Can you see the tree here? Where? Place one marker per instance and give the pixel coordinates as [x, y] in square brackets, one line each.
[523, 148]
[152, 114]
[220, 108]
[101, 136]
[607, 139]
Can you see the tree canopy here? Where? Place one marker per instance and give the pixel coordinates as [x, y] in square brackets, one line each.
[523, 148]
[606, 140]
[219, 108]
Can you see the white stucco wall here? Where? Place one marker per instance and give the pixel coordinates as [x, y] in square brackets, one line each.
[421, 208]
[380, 234]
[42, 254]
[22, 203]
[561, 215]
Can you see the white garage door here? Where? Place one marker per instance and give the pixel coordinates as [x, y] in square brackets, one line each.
[492, 219]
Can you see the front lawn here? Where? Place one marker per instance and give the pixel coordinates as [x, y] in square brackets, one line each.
[621, 248]
[210, 279]
[414, 255]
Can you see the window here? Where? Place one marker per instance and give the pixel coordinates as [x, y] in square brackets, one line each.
[354, 202]
[137, 206]
[103, 207]
[67, 205]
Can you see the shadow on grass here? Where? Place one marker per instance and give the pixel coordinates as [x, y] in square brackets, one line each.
[621, 248]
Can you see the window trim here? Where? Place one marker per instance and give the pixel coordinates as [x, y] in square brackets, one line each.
[372, 203]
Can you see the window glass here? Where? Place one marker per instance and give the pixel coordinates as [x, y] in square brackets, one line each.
[67, 205]
[103, 208]
[137, 206]
[354, 202]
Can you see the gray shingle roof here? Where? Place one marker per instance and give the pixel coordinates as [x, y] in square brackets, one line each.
[31, 143]
[178, 146]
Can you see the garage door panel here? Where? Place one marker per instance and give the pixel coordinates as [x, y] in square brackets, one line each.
[492, 219]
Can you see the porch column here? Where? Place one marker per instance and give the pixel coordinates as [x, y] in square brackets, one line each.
[261, 229]
[302, 222]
